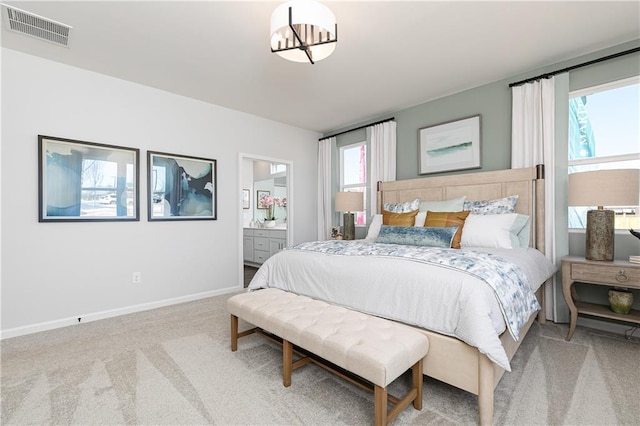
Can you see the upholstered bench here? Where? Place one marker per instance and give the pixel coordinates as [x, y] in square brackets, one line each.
[371, 348]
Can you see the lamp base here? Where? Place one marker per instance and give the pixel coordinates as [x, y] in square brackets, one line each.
[600, 235]
[349, 226]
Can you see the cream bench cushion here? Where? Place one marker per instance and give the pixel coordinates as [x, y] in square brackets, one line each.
[375, 349]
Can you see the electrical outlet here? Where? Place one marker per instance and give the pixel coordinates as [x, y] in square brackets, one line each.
[136, 278]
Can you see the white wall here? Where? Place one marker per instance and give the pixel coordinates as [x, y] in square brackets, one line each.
[247, 183]
[53, 273]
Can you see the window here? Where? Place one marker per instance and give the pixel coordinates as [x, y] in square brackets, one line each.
[278, 168]
[604, 133]
[353, 174]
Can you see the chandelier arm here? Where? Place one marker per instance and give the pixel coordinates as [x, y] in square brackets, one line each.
[303, 46]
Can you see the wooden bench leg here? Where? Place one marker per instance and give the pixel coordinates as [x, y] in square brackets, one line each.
[234, 333]
[287, 362]
[416, 372]
[380, 405]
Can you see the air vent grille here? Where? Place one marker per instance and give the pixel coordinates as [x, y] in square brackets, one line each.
[36, 26]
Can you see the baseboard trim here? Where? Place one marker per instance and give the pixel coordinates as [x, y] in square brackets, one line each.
[95, 316]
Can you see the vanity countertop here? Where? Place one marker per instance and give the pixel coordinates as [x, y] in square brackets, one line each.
[279, 227]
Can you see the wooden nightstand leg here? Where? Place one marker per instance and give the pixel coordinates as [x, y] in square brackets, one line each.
[572, 324]
[567, 292]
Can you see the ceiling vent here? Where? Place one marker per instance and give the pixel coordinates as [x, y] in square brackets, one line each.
[35, 26]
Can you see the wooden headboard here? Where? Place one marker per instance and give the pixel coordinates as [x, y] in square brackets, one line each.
[527, 183]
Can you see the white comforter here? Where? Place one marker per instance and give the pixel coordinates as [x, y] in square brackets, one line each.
[425, 295]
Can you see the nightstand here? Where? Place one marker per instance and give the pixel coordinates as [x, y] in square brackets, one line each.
[617, 273]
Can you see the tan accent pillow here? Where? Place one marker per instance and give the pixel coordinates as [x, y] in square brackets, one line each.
[440, 219]
[399, 219]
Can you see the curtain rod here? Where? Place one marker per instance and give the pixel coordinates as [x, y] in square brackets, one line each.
[595, 61]
[357, 128]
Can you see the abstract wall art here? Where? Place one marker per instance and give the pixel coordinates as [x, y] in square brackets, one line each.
[85, 181]
[181, 187]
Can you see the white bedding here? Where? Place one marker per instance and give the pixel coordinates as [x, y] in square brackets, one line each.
[440, 299]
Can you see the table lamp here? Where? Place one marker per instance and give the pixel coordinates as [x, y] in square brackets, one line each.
[620, 188]
[349, 202]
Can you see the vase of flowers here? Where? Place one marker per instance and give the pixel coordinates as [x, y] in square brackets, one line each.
[269, 202]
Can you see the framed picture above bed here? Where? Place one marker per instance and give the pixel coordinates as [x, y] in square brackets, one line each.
[86, 182]
[181, 187]
[454, 145]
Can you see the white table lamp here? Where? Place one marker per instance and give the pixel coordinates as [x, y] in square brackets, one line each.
[619, 188]
[349, 202]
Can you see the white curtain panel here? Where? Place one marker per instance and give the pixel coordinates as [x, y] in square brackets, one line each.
[382, 143]
[325, 215]
[533, 142]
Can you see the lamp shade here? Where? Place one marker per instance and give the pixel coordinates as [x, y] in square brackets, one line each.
[349, 202]
[313, 22]
[603, 188]
[618, 187]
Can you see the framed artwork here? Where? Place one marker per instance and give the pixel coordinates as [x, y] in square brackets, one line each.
[454, 145]
[181, 187]
[260, 193]
[246, 199]
[86, 182]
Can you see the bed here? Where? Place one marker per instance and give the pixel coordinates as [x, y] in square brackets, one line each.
[473, 334]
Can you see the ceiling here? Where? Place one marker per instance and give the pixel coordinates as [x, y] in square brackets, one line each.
[390, 55]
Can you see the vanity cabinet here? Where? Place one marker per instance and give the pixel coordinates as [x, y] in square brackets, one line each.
[247, 245]
[259, 244]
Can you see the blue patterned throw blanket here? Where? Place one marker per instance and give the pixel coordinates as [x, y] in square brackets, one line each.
[510, 285]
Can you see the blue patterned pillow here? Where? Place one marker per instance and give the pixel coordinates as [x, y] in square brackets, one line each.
[417, 236]
[409, 206]
[499, 206]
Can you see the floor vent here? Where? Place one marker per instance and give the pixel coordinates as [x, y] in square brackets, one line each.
[35, 26]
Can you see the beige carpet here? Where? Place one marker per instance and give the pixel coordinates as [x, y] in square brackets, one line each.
[173, 366]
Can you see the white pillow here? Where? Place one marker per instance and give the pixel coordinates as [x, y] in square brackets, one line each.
[421, 217]
[495, 230]
[452, 205]
[374, 228]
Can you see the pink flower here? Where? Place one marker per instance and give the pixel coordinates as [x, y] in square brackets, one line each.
[265, 201]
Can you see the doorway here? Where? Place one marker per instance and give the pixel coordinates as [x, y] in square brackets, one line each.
[266, 188]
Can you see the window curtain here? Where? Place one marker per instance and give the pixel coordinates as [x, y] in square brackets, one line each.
[382, 144]
[533, 142]
[534, 132]
[325, 214]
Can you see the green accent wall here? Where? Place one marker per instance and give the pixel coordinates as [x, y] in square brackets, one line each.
[493, 103]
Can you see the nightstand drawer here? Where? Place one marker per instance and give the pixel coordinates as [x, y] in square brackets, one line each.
[609, 274]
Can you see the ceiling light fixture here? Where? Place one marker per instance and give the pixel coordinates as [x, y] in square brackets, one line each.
[303, 30]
